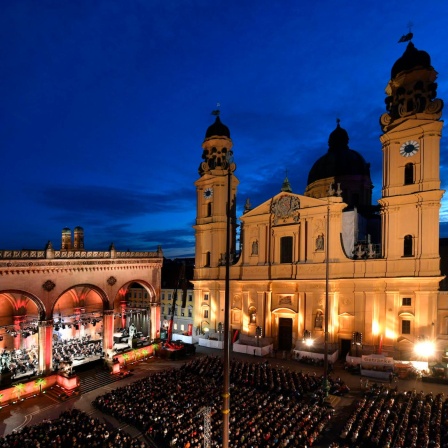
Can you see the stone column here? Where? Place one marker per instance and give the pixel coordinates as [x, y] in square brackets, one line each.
[123, 313]
[18, 337]
[45, 346]
[108, 333]
[146, 323]
[155, 320]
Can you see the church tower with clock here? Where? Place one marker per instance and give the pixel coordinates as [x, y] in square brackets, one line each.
[216, 184]
[329, 255]
[411, 194]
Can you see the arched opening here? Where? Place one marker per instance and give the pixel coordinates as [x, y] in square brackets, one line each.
[19, 334]
[408, 246]
[78, 327]
[136, 310]
[409, 174]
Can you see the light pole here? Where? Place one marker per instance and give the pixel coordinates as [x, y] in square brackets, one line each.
[327, 275]
[226, 385]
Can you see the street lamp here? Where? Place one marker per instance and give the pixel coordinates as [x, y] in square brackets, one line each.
[307, 338]
[327, 301]
[226, 380]
[258, 334]
[424, 348]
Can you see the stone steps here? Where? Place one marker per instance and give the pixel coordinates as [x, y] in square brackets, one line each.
[95, 378]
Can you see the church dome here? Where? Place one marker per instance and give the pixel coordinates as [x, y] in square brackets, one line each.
[338, 139]
[217, 128]
[410, 59]
[339, 160]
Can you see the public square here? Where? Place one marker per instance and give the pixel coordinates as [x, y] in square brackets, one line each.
[45, 407]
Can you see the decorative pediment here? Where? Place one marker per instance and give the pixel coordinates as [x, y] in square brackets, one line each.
[284, 207]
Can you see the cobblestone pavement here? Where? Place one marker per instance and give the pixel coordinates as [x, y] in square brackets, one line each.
[34, 410]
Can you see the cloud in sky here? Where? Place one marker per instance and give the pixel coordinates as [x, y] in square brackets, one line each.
[104, 105]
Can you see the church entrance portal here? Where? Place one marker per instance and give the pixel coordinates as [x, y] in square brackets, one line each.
[345, 348]
[284, 333]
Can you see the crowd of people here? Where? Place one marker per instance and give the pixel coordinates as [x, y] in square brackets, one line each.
[385, 417]
[19, 362]
[25, 361]
[66, 351]
[72, 429]
[270, 406]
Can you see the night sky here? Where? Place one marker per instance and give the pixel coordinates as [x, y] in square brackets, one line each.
[104, 105]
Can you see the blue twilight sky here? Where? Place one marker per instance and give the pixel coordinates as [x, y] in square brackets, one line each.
[104, 105]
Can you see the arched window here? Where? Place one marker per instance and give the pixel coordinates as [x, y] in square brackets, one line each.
[409, 174]
[286, 249]
[207, 259]
[408, 246]
[209, 209]
[319, 319]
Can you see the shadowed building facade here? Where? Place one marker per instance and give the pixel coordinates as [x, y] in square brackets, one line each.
[50, 296]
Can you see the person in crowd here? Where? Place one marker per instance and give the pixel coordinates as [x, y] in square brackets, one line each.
[73, 428]
[270, 406]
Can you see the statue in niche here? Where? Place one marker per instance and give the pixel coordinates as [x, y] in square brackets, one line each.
[255, 247]
[252, 315]
[318, 321]
[320, 242]
[236, 303]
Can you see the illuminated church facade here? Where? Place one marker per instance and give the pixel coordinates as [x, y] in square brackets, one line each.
[377, 267]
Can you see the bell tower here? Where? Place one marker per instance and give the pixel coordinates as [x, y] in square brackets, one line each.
[411, 194]
[216, 183]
